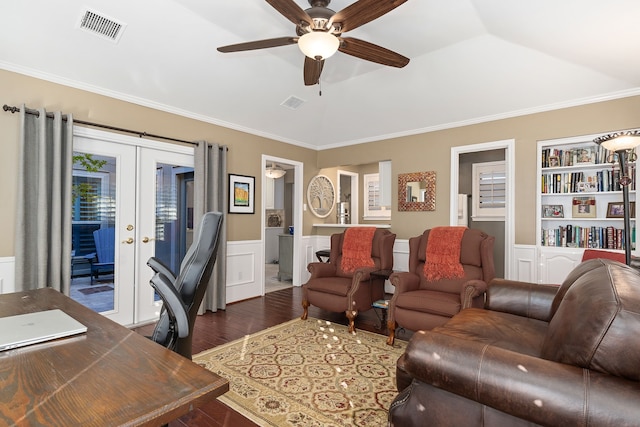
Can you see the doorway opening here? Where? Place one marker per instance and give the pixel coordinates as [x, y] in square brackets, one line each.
[462, 196]
[282, 222]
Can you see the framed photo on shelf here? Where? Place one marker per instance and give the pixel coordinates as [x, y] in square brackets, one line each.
[616, 209]
[552, 211]
[554, 161]
[585, 155]
[584, 207]
[241, 194]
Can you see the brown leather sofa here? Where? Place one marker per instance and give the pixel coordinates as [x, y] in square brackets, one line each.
[536, 355]
[333, 289]
[418, 303]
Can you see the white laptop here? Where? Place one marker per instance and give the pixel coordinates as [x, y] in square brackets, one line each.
[31, 328]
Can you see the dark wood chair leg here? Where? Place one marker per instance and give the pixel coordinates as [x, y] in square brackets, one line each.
[351, 315]
[305, 307]
[391, 327]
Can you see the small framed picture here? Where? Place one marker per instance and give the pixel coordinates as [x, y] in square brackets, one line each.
[241, 194]
[616, 209]
[585, 155]
[554, 161]
[584, 207]
[552, 211]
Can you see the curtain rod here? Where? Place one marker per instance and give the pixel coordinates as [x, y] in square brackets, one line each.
[36, 113]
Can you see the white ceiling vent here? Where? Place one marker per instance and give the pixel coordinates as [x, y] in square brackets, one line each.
[293, 102]
[101, 25]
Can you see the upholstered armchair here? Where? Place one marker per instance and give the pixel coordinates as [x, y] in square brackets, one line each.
[461, 264]
[343, 283]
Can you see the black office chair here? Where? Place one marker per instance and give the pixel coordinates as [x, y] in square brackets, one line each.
[183, 293]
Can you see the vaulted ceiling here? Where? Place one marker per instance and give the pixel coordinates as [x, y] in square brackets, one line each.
[471, 61]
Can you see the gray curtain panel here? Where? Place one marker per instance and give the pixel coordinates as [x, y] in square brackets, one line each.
[210, 183]
[43, 222]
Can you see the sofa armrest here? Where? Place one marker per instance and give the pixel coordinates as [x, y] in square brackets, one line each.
[521, 298]
[321, 269]
[531, 388]
[471, 290]
[404, 281]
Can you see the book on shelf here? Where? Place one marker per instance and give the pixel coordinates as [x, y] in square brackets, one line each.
[593, 237]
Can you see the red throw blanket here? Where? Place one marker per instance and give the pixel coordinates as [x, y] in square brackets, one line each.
[443, 253]
[356, 248]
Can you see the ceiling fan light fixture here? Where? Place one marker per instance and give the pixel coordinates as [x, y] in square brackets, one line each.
[274, 172]
[318, 45]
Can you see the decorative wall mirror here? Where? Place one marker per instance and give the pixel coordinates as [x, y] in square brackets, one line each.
[321, 196]
[417, 191]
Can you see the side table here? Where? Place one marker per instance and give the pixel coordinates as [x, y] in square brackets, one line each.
[381, 304]
[323, 253]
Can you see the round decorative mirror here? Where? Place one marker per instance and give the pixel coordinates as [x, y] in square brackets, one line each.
[321, 196]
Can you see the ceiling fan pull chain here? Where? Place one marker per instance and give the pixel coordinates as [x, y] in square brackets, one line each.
[320, 85]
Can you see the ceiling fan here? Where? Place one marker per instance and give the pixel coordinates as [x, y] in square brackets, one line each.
[319, 34]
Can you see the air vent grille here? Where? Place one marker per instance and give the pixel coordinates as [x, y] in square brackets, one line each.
[101, 25]
[293, 102]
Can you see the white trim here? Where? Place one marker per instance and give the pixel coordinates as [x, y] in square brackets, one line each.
[509, 146]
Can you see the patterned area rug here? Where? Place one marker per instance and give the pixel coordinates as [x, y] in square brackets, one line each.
[308, 373]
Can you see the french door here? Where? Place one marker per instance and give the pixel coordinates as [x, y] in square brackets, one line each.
[138, 194]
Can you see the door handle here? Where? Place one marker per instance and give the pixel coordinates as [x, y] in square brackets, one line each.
[146, 239]
[128, 241]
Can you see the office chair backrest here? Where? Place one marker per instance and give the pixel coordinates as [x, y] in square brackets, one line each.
[191, 285]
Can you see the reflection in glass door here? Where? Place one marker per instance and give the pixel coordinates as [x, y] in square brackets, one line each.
[130, 203]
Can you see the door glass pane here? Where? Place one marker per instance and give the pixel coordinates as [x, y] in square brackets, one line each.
[174, 214]
[93, 226]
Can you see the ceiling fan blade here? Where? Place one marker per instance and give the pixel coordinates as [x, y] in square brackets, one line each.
[363, 11]
[312, 71]
[258, 44]
[290, 10]
[371, 52]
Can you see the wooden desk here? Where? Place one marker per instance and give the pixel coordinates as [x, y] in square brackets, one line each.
[109, 376]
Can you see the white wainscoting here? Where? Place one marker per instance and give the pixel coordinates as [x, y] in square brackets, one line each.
[7, 275]
[245, 270]
[525, 265]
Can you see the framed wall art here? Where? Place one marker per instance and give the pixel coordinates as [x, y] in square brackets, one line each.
[417, 191]
[321, 196]
[241, 194]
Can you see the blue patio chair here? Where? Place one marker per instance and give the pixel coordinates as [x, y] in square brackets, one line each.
[104, 257]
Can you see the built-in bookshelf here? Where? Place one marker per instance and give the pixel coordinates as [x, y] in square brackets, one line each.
[580, 197]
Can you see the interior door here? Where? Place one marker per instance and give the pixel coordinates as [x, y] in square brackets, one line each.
[142, 191]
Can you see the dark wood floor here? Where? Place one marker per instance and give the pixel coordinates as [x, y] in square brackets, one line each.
[247, 317]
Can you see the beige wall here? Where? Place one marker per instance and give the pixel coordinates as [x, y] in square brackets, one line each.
[424, 152]
[432, 152]
[245, 151]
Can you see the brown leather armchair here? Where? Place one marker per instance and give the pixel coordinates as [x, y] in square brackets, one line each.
[333, 289]
[419, 304]
[536, 355]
